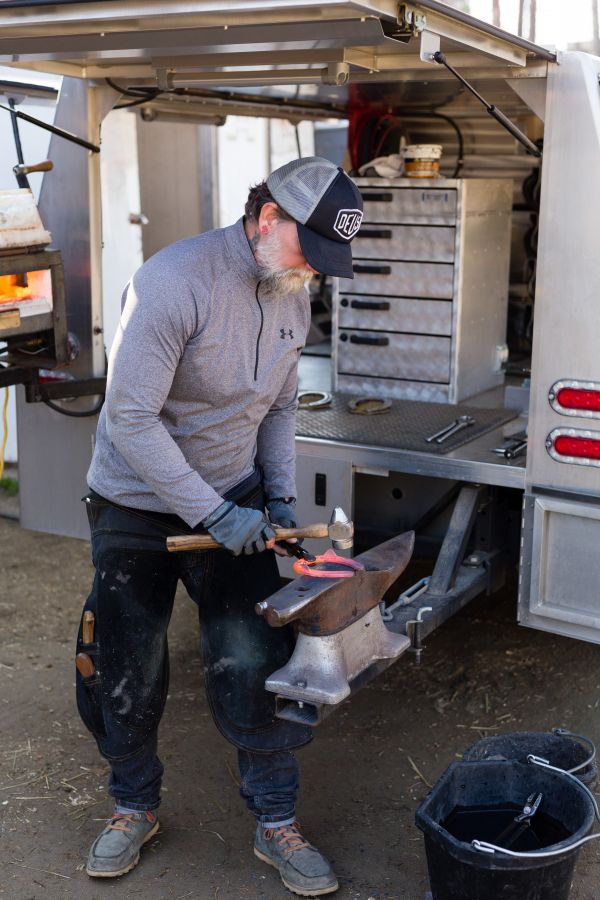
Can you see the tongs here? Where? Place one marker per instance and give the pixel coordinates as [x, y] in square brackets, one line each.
[520, 823]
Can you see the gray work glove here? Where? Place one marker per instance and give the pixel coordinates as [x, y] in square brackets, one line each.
[282, 513]
[239, 529]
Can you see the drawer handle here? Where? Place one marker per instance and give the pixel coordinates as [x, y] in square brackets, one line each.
[385, 233]
[372, 341]
[373, 270]
[370, 304]
[378, 198]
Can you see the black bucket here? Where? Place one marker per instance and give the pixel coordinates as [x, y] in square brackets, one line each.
[459, 871]
[572, 752]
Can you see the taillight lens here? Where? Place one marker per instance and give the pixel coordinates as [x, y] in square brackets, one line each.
[573, 446]
[576, 398]
[571, 398]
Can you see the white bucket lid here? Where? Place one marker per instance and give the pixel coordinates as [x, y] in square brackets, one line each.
[423, 151]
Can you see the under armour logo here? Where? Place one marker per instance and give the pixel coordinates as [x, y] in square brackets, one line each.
[283, 333]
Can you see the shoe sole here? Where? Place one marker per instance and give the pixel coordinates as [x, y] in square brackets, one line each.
[94, 874]
[301, 893]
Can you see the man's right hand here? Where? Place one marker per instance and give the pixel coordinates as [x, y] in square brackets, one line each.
[239, 529]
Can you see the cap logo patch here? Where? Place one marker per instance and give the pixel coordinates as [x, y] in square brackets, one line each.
[347, 223]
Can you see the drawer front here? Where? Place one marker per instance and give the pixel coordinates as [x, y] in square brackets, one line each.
[393, 389]
[396, 314]
[420, 205]
[400, 279]
[429, 243]
[414, 356]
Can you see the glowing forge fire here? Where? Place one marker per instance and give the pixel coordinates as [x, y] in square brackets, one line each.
[27, 292]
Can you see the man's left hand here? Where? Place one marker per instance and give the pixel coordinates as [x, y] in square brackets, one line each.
[282, 513]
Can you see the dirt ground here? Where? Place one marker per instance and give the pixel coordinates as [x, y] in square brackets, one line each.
[363, 776]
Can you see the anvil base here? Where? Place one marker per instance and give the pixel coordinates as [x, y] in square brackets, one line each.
[326, 669]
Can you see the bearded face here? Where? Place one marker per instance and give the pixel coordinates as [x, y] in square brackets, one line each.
[274, 252]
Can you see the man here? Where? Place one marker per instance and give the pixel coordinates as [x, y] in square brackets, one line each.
[197, 433]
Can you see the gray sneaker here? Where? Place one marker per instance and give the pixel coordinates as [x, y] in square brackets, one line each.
[303, 869]
[117, 849]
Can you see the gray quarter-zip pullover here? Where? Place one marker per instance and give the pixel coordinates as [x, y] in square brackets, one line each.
[202, 381]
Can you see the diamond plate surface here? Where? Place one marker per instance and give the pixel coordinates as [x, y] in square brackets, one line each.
[404, 427]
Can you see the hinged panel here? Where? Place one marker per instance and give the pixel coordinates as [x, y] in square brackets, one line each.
[561, 567]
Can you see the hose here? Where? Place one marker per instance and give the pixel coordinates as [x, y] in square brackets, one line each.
[76, 414]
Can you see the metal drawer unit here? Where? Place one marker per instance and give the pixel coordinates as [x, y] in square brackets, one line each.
[425, 316]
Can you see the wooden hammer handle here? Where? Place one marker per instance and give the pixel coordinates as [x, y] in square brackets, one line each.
[87, 630]
[206, 542]
[45, 166]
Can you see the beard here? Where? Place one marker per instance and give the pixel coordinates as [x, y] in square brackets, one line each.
[275, 278]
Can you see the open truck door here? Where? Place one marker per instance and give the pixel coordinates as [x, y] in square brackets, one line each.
[219, 58]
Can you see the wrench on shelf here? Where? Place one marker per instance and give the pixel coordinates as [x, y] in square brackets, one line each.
[440, 436]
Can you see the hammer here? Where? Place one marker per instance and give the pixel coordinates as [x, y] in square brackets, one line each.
[340, 530]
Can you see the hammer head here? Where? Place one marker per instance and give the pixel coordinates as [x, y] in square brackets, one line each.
[341, 530]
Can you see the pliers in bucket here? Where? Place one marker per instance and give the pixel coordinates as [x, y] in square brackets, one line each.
[520, 823]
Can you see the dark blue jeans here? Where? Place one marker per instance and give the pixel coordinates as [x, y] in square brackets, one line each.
[123, 701]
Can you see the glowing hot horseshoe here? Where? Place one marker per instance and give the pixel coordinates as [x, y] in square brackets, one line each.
[347, 567]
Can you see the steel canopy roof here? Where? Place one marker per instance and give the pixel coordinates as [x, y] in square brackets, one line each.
[241, 43]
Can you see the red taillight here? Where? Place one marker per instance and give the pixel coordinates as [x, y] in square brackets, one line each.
[571, 398]
[582, 448]
[575, 446]
[576, 398]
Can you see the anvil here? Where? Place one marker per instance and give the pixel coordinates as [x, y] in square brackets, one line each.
[342, 641]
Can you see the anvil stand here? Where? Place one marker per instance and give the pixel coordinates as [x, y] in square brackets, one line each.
[342, 641]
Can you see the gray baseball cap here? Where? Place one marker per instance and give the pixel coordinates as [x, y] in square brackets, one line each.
[327, 207]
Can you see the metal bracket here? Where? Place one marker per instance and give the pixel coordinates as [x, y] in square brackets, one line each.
[430, 44]
[337, 73]
[164, 79]
[407, 596]
[411, 22]
[36, 392]
[455, 542]
[14, 375]
[414, 632]
[455, 580]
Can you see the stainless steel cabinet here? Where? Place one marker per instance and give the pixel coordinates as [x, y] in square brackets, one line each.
[425, 315]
